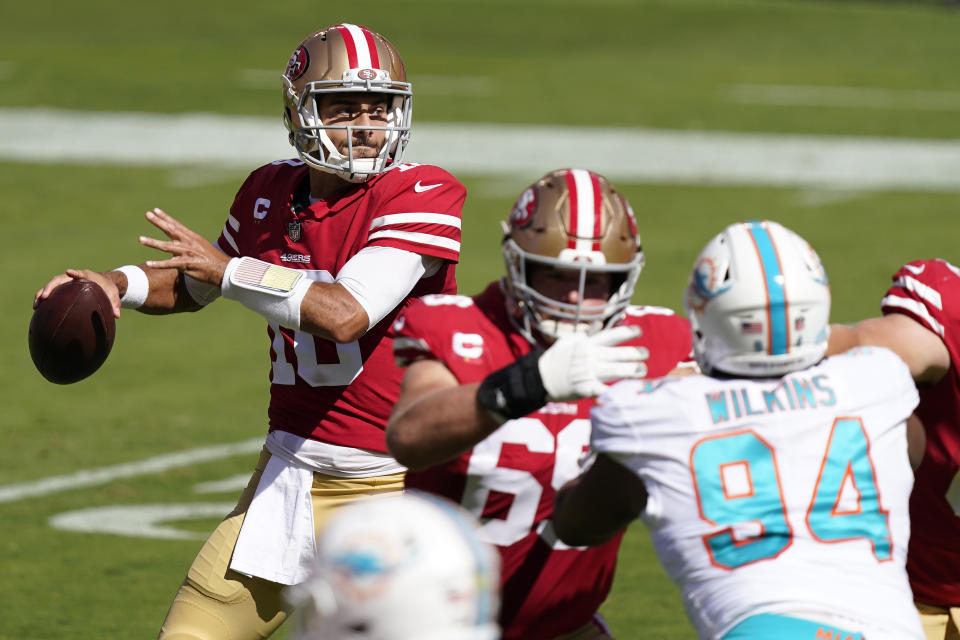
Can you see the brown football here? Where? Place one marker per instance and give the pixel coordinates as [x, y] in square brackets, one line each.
[71, 332]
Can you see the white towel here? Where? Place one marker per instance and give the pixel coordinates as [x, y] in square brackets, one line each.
[276, 541]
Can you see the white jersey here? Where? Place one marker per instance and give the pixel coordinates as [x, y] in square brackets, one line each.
[783, 496]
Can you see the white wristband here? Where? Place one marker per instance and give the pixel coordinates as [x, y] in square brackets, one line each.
[138, 287]
[273, 291]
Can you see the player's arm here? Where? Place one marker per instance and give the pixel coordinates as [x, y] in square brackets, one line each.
[369, 286]
[595, 506]
[436, 418]
[924, 352]
[160, 290]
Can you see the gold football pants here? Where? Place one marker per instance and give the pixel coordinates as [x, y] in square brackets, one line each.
[939, 623]
[216, 603]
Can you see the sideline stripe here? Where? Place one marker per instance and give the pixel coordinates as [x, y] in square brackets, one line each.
[846, 97]
[156, 464]
[621, 154]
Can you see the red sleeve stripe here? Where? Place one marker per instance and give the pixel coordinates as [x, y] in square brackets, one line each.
[921, 290]
[233, 222]
[912, 307]
[419, 238]
[415, 217]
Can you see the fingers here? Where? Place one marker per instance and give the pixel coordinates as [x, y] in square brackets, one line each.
[610, 337]
[175, 262]
[108, 286]
[590, 389]
[163, 221]
[622, 354]
[162, 245]
[613, 371]
[48, 288]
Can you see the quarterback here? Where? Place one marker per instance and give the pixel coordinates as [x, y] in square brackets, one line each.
[921, 323]
[494, 408]
[328, 247]
[775, 485]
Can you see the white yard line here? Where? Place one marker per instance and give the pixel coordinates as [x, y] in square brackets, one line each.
[140, 520]
[498, 150]
[102, 475]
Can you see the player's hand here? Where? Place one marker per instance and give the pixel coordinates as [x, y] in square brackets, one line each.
[577, 366]
[107, 284]
[190, 253]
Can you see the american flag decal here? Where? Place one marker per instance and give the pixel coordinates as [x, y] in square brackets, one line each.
[257, 274]
[751, 327]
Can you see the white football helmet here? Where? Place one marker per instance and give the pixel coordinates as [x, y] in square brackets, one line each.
[574, 220]
[339, 59]
[758, 302]
[407, 567]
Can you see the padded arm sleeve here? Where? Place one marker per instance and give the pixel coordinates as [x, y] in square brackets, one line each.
[381, 277]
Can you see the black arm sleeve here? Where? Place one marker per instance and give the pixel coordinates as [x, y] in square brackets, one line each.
[515, 390]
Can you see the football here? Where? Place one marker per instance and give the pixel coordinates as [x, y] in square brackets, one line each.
[72, 332]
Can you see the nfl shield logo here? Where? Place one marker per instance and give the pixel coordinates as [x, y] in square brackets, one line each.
[293, 230]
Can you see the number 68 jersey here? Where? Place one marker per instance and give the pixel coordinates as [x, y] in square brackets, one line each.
[783, 496]
[509, 479]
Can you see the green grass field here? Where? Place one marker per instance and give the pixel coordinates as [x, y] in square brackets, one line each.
[175, 384]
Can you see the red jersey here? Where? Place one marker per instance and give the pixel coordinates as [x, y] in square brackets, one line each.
[342, 393]
[929, 292]
[509, 479]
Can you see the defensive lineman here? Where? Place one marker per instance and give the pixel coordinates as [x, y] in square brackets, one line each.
[775, 486]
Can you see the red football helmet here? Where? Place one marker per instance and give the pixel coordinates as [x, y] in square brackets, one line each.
[340, 59]
[572, 220]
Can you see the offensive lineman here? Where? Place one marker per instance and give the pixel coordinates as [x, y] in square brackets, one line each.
[329, 248]
[491, 420]
[776, 485]
[921, 323]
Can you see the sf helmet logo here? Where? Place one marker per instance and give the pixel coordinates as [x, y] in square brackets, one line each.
[523, 210]
[297, 65]
[367, 74]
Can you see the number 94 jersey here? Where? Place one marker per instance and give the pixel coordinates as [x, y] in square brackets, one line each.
[509, 479]
[782, 496]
